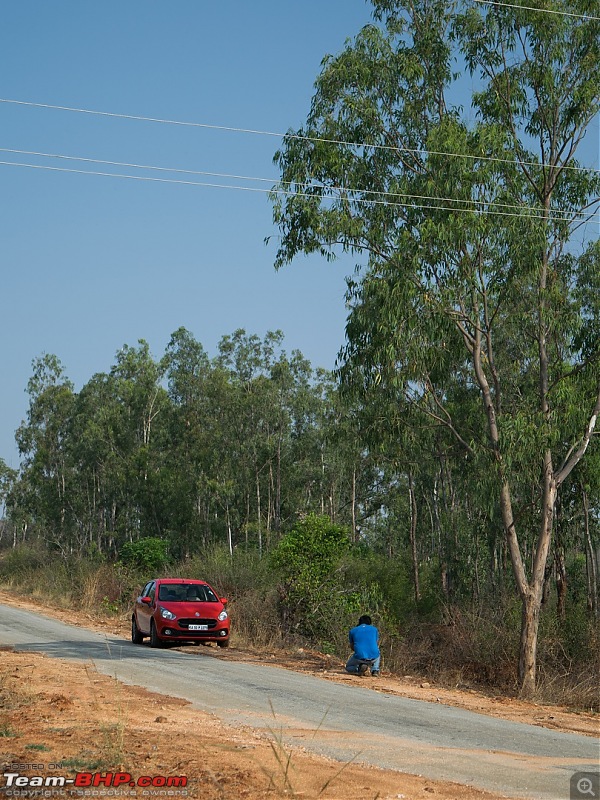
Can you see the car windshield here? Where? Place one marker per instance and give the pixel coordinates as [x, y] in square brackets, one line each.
[185, 592]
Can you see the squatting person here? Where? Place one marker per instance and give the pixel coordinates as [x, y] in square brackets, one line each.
[364, 641]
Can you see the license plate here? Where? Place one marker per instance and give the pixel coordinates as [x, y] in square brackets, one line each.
[198, 627]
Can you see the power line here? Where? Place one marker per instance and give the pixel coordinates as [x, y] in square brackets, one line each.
[288, 193]
[322, 140]
[136, 166]
[341, 189]
[541, 10]
[140, 118]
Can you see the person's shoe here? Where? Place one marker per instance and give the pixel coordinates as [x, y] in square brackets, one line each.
[363, 669]
[375, 673]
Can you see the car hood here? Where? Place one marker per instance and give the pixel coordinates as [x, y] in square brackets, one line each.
[192, 609]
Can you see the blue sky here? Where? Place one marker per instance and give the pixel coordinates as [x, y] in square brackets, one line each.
[92, 263]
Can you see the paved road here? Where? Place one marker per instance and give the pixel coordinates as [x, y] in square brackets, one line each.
[343, 722]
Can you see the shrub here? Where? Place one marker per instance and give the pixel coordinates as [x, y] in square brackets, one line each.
[148, 555]
[22, 559]
[307, 563]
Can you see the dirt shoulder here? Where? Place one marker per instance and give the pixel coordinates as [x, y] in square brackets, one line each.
[58, 718]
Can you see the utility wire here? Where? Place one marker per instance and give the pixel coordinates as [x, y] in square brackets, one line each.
[541, 10]
[136, 166]
[207, 126]
[341, 189]
[286, 192]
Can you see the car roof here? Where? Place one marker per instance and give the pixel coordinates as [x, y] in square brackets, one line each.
[193, 581]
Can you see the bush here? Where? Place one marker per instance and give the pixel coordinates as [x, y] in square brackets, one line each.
[21, 560]
[147, 555]
[307, 562]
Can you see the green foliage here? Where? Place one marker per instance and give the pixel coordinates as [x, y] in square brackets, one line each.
[7, 479]
[579, 636]
[148, 555]
[111, 607]
[308, 553]
[307, 561]
[382, 584]
[231, 451]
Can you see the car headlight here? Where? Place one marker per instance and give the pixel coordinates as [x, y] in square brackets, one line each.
[222, 616]
[166, 614]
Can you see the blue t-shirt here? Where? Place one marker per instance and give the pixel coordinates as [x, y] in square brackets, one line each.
[363, 640]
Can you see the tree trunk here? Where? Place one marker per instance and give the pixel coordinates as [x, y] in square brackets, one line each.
[530, 617]
[229, 537]
[247, 521]
[258, 513]
[270, 505]
[353, 504]
[530, 591]
[413, 538]
[590, 561]
[561, 582]
[278, 488]
[560, 570]
[322, 483]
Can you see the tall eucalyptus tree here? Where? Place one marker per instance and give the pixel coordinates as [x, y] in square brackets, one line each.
[470, 269]
[46, 473]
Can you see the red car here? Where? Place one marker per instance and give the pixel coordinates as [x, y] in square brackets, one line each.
[179, 610]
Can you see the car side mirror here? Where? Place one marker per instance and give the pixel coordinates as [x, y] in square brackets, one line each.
[147, 601]
[223, 600]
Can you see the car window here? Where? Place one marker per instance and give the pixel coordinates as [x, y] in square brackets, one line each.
[185, 592]
[147, 589]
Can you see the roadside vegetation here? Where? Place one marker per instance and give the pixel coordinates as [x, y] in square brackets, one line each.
[287, 600]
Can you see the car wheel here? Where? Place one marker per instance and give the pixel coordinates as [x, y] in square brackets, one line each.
[154, 640]
[136, 636]
[223, 644]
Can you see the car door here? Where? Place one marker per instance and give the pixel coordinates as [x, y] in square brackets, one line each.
[144, 611]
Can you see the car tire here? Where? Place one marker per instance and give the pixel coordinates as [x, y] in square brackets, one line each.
[223, 644]
[154, 639]
[136, 635]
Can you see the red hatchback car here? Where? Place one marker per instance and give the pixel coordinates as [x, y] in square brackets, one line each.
[179, 610]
